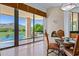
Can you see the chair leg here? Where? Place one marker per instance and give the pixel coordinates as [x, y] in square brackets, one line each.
[47, 52]
[61, 53]
[53, 51]
[58, 52]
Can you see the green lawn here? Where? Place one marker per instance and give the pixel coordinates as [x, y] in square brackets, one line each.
[4, 34]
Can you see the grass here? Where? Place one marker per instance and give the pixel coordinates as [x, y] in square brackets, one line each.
[4, 34]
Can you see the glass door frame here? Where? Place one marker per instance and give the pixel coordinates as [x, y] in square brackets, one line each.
[16, 35]
[16, 29]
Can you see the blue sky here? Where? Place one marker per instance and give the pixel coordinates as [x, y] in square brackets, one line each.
[8, 19]
[5, 19]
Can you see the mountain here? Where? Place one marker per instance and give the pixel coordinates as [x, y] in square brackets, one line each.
[9, 25]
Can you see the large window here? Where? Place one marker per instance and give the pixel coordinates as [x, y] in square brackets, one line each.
[25, 27]
[74, 21]
[6, 26]
[38, 27]
[19, 27]
[30, 27]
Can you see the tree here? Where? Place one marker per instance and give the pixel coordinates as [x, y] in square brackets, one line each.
[38, 28]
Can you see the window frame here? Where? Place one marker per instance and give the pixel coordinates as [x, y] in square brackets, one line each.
[71, 31]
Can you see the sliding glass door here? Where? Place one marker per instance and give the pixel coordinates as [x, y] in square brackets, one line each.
[38, 27]
[30, 27]
[6, 26]
[25, 27]
[19, 27]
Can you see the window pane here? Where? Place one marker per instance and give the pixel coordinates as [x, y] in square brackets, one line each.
[38, 27]
[25, 35]
[6, 26]
[75, 21]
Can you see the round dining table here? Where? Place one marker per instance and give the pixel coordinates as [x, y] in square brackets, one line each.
[65, 40]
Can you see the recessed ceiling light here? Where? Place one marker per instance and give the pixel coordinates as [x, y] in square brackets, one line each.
[68, 7]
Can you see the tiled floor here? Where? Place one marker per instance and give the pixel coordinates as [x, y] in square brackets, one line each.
[36, 49]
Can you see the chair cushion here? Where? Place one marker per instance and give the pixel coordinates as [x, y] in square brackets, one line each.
[53, 46]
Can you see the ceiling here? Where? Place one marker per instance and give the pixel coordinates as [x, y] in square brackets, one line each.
[45, 6]
[49, 5]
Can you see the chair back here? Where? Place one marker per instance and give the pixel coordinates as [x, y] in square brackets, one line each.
[76, 47]
[73, 35]
[53, 34]
[60, 33]
[46, 39]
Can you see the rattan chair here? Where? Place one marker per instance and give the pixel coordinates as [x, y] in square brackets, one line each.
[52, 46]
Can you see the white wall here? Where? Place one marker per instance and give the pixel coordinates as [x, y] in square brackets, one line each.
[55, 20]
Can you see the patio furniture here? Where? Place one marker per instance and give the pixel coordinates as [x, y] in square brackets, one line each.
[60, 34]
[54, 34]
[66, 41]
[73, 35]
[74, 51]
[52, 46]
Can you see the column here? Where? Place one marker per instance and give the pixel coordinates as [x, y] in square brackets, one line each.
[28, 27]
[67, 23]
